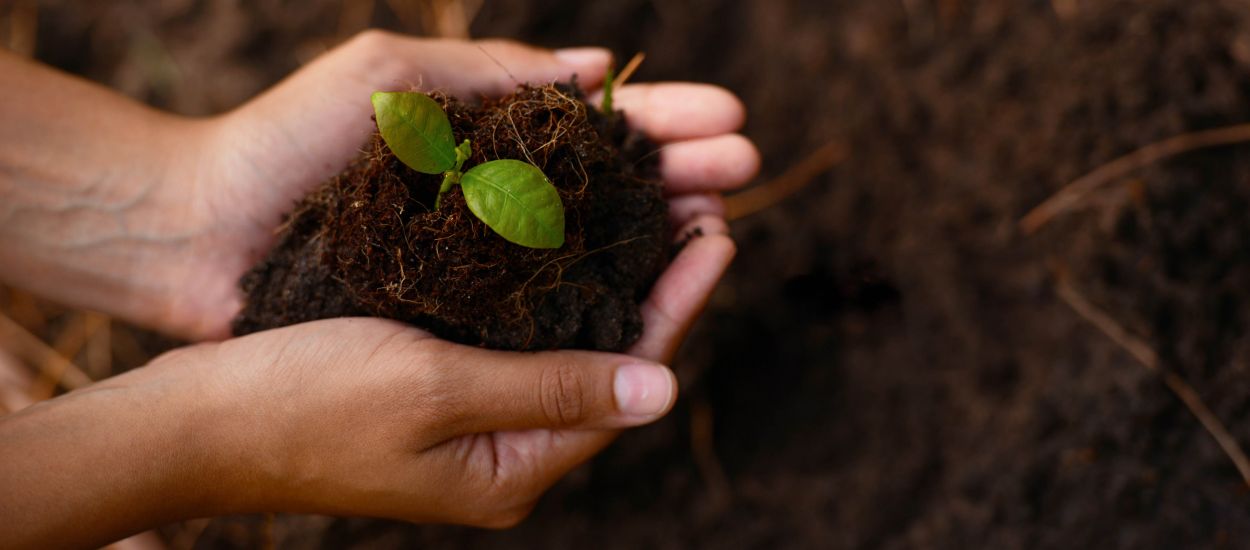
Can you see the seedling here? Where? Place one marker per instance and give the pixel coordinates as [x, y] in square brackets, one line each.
[609, 86]
[611, 81]
[512, 197]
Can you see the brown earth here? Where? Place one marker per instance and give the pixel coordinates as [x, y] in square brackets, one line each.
[887, 364]
[369, 242]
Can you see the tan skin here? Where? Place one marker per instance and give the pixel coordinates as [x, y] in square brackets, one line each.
[151, 217]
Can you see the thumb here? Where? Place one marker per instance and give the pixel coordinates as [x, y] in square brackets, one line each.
[498, 391]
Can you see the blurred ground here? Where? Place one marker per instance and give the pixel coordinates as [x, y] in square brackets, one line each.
[888, 364]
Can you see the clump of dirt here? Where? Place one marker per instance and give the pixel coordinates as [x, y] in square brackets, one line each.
[369, 242]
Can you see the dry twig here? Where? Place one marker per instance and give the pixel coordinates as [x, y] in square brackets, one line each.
[26, 310]
[23, 27]
[1148, 358]
[99, 350]
[82, 329]
[1071, 194]
[28, 347]
[15, 382]
[628, 71]
[760, 197]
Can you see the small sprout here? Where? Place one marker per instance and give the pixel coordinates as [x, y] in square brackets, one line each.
[612, 81]
[608, 84]
[514, 198]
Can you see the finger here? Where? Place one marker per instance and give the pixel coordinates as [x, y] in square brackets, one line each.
[709, 164]
[671, 111]
[683, 290]
[497, 390]
[702, 226]
[381, 61]
[490, 67]
[685, 208]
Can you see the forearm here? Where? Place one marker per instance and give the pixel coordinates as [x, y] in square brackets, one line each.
[97, 465]
[84, 200]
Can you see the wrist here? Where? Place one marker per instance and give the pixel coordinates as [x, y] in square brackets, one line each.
[235, 434]
[216, 462]
[139, 463]
[95, 196]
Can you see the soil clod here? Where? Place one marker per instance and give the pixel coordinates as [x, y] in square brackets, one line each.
[369, 242]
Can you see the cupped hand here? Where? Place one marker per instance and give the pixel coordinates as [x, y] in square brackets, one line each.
[250, 166]
[369, 417]
[362, 417]
[358, 416]
[372, 418]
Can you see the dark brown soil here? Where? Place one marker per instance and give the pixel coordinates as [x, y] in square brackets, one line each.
[887, 364]
[369, 242]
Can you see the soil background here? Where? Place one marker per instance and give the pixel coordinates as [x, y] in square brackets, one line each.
[887, 364]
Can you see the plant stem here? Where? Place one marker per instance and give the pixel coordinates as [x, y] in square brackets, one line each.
[608, 84]
[451, 177]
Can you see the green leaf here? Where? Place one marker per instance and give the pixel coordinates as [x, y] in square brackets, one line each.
[416, 129]
[515, 199]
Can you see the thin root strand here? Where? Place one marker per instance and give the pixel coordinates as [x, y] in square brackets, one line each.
[1071, 194]
[1145, 355]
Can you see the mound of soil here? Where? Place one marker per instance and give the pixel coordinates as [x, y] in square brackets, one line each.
[368, 242]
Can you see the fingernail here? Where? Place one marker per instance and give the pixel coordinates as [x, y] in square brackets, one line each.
[594, 58]
[643, 390]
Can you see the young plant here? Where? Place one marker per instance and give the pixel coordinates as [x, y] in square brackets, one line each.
[609, 86]
[511, 197]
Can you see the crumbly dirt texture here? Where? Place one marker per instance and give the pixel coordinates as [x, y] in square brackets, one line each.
[369, 242]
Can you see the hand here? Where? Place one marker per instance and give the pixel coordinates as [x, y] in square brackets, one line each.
[356, 416]
[366, 417]
[153, 218]
[361, 417]
[267, 154]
